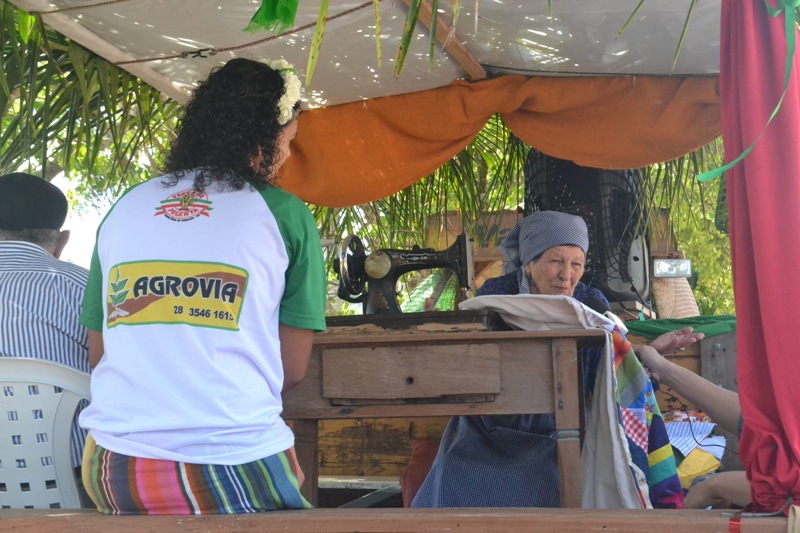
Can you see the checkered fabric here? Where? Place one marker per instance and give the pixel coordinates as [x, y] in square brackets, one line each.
[635, 428]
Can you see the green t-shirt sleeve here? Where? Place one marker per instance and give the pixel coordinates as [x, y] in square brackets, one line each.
[303, 303]
[92, 312]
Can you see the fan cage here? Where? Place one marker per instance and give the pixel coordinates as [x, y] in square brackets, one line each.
[610, 201]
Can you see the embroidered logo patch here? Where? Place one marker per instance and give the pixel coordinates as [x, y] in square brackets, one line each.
[185, 205]
[175, 292]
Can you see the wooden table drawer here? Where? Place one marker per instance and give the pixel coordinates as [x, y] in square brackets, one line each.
[394, 373]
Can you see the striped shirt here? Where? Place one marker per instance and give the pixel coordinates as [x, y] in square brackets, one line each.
[40, 302]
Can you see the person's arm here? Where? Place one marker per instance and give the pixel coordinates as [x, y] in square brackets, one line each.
[96, 347]
[295, 352]
[720, 491]
[720, 404]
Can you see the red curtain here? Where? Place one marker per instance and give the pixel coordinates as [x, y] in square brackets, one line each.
[764, 206]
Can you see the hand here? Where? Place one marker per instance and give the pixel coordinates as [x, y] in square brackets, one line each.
[720, 491]
[653, 361]
[676, 340]
[294, 464]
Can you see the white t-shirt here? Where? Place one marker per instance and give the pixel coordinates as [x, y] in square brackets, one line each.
[188, 289]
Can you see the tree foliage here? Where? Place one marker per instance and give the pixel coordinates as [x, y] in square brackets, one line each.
[64, 108]
[699, 217]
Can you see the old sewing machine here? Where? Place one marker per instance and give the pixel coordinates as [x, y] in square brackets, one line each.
[372, 279]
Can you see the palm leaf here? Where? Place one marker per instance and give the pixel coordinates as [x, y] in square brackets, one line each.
[683, 33]
[63, 108]
[432, 39]
[456, 12]
[408, 31]
[316, 41]
[377, 6]
[631, 17]
[484, 177]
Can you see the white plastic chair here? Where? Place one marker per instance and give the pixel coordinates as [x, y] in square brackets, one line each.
[38, 400]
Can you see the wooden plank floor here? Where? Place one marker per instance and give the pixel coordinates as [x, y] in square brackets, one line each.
[394, 521]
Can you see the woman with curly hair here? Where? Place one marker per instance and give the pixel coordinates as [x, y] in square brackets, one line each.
[205, 288]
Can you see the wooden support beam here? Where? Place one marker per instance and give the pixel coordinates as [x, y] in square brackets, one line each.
[453, 47]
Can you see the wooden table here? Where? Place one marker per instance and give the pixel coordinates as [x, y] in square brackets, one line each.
[487, 520]
[421, 373]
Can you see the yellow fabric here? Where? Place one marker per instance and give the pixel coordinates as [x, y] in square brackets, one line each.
[697, 463]
[660, 454]
[353, 153]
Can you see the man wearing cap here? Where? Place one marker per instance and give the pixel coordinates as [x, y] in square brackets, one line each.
[40, 296]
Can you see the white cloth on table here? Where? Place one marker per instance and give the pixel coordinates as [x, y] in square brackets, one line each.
[609, 477]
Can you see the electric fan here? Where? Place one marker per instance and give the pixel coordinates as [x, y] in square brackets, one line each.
[610, 201]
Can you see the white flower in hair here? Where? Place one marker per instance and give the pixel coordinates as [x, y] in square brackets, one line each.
[293, 89]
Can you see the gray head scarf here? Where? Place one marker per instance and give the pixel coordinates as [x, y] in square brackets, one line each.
[537, 233]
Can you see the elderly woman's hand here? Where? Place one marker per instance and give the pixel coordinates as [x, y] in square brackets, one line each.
[676, 340]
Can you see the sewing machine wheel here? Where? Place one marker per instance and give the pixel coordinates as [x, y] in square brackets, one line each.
[351, 265]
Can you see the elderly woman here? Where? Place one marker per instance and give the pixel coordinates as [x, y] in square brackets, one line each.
[510, 461]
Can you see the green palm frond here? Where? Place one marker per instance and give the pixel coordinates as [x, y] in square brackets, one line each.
[698, 213]
[674, 184]
[485, 177]
[683, 33]
[405, 39]
[66, 109]
[63, 108]
[378, 49]
[316, 41]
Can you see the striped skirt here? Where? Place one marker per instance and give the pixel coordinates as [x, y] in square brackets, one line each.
[122, 485]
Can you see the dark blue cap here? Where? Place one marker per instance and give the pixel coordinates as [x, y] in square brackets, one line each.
[30, 202]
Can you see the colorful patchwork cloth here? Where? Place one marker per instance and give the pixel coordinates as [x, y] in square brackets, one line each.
[644, 427]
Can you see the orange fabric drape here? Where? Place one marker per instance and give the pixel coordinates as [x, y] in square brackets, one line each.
[354, 153]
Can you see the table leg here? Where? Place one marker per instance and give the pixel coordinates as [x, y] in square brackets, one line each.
[306, 444]
[568, 397]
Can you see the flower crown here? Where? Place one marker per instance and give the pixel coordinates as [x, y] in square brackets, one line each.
[293, 86]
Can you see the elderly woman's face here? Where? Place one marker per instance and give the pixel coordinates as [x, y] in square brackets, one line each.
[556, 271]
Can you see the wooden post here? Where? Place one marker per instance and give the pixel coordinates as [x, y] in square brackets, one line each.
[718, 365]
